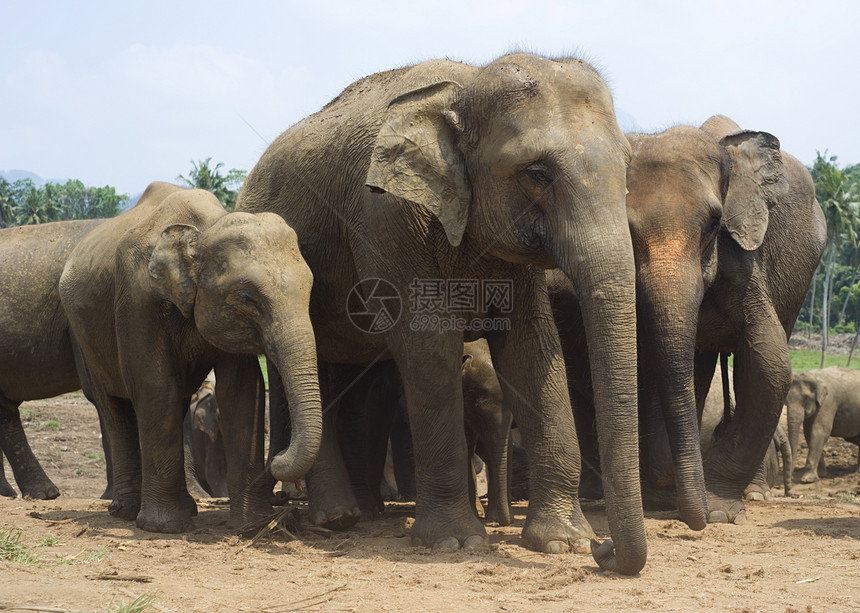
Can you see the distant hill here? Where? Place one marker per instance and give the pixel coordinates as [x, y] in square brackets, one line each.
[15, 175]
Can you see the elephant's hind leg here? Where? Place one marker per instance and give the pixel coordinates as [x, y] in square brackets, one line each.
[31, 478]
[5, 488]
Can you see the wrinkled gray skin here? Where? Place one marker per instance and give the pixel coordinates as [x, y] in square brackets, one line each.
[769, 474]
[449, 171]
[159, 296]
[727, 234]
[36, 356]
[826, 403]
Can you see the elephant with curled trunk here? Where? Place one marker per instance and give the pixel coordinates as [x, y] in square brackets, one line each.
[726, 234]
[439, 173]
[159, 296]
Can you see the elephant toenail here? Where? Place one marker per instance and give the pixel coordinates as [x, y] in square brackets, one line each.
[475, 542]
[449, 543]
[555, 547]
[718, 517]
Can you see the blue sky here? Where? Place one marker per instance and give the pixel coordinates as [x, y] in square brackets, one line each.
[124, 93]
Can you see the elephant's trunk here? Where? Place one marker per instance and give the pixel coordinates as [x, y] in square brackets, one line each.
[668, 318]
[600, 265]
[296, 361]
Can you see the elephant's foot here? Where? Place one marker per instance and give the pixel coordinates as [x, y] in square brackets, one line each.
[334, 512]
[125, 507]
[550, 533]
[371, 506]
[442, 532]
[249, 510]
[726, 509]
[757, 491]
[168, 519]
[809, 476]
[5, 488]
[43, 489]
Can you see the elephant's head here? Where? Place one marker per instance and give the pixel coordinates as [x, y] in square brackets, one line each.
[527, 162]
[805, 397]
[246, 286]
[694, 204]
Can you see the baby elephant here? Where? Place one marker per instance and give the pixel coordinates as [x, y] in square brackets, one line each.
[827, 403]
[159, 296]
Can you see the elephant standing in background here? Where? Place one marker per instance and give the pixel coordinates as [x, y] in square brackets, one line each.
[36, 356]
[826, 403]
[726, 234]
[159, 296]
[433, 174]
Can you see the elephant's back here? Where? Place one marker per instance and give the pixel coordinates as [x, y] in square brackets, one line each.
[34, 340]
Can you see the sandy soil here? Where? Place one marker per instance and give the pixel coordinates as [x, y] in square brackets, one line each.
[791, 555]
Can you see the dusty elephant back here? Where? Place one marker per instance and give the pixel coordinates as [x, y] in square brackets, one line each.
[33, 326]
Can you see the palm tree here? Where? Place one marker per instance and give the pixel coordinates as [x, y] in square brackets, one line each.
[839, 202]
[7, 204]
[34, 204]
[204, 176]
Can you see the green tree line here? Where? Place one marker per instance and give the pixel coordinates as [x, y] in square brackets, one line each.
[22, 202]
[832, 304]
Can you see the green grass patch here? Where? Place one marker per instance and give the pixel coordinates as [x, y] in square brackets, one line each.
[96, 457]
[847, 497]
[12, 549]
[96, 555]
[50, 424]
[141, 603]
[50, 541]
[26, 414]
[811, 360]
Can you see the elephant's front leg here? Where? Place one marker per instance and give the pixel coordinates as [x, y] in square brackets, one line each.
[817, 431]
[430, 367]
[531, 370]
[240, 393]
[331, 500]
[762, 376]
[165, 505]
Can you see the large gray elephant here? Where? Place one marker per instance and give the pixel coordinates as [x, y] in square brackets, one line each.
[159, 296]
[727, 234]
[36, 356]
[441, 173]
[825, 403]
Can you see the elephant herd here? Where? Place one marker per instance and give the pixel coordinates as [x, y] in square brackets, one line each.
[606, 273]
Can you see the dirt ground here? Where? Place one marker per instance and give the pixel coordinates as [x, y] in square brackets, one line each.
[791, 555]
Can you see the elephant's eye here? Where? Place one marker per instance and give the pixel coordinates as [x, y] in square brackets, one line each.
[248, 297]
[538, 173]
[711, 229]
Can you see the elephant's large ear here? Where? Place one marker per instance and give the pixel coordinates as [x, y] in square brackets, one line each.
[416, 156]
[756, 183]
[173, 267]
[821, 392]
